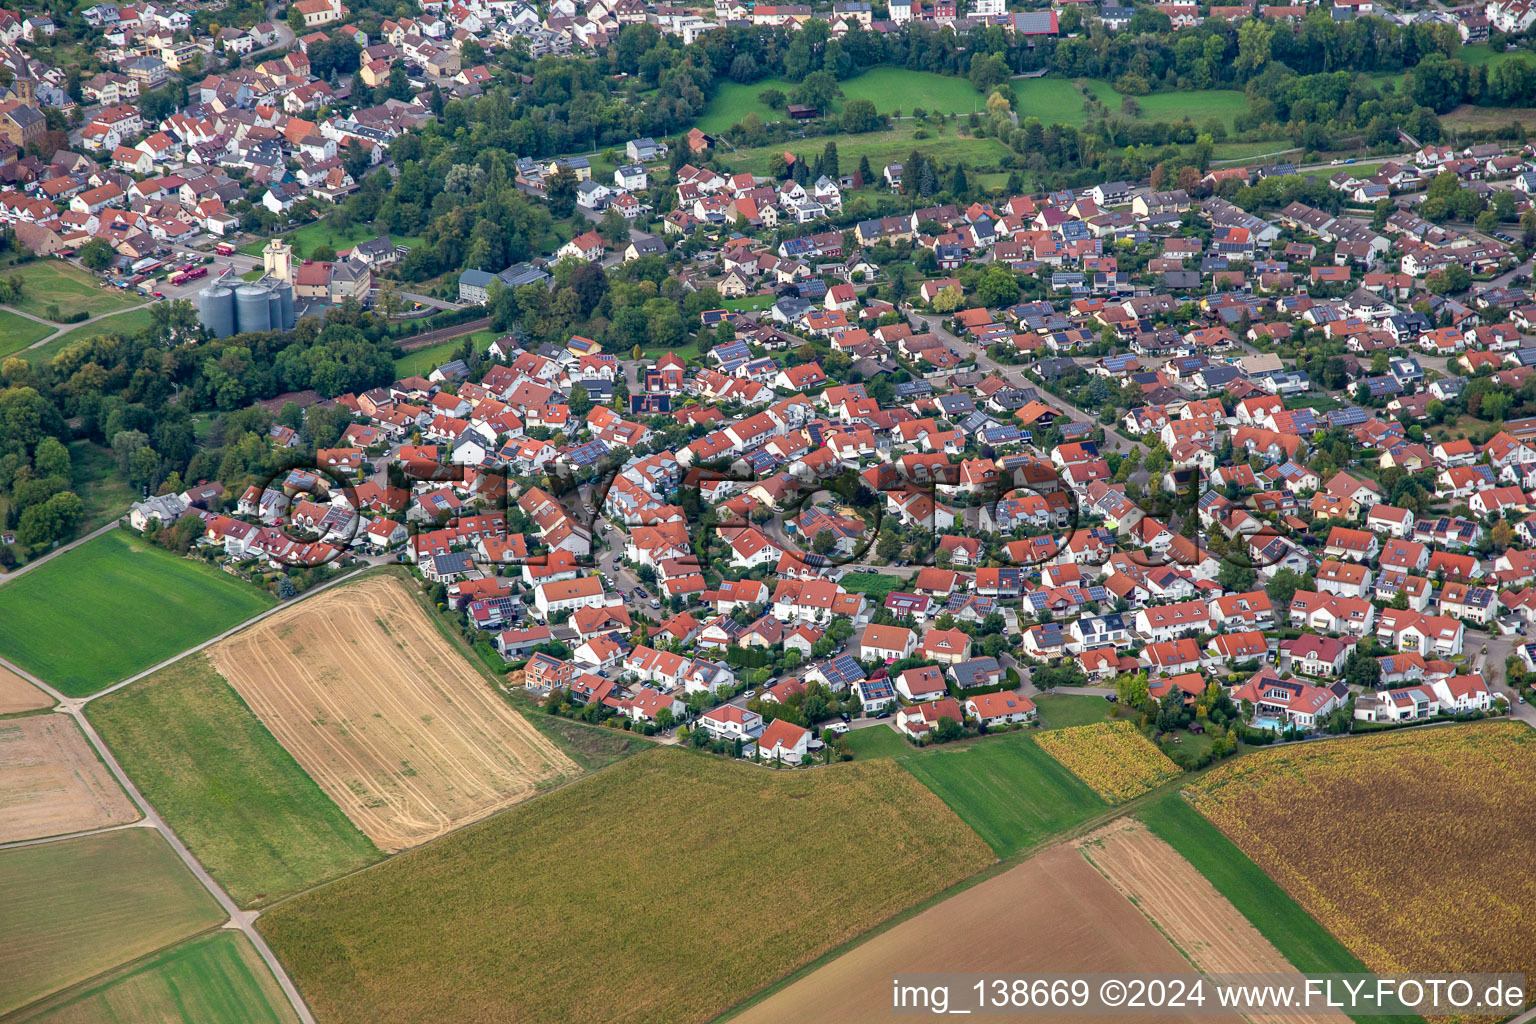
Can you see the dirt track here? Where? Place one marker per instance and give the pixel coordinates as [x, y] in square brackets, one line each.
[385, 715]
[52, 782]
[16, 694]
[1188, 909]
[1052, 913]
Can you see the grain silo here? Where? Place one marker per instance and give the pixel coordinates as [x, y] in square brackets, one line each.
[252, 308]
[285, 292]
[216, 310]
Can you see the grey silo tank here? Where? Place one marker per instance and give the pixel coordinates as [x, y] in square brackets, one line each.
[275, 309]
[252, 309]
[285, 291]
[216, 310]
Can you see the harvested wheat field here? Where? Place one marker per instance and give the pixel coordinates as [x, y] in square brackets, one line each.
[372, 701]
[1052, 913]
[52, 782]
[16, 694]
[1188, 909]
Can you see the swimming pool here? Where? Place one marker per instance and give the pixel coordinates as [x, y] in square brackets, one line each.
[1272, 724]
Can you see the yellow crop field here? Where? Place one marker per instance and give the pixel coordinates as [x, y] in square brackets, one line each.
[1113, 758]
[1413, 848]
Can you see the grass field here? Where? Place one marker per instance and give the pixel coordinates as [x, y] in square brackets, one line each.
[424, 360]
[877, 741]
[152, 602]
[54, 282]
[882, 148]
[1063, 710]
[1316, 817]
[238, 800]
[1304, 943]
[587, 745]
[1471, 117]
[666, 888]
[125, 324]
[80, 906]
[752, 303]
[17, 332]
[890, 89]
[218, 977]
[1060, 101]
[1009, 790]
[106, 493]
[875, 585]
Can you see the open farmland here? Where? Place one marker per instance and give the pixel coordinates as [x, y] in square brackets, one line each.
[1115, 760]
[16, 694]
[238, 800]
[1054, 913]
[1331, 821]
[76, 907]
[1007, 789]
[54, 620]
[52, 782]
[214, 978]
[396, 727]
[665, 888]
[1187, 908]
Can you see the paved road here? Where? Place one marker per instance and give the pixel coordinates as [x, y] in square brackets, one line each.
[1115, 441]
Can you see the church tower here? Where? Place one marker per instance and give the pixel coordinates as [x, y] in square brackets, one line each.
[24, 85]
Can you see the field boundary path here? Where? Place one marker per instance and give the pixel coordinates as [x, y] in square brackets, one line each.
[60, 329]
[8, 577]
[243, 921]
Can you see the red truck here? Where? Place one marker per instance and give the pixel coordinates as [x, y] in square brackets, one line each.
[183, 276]
[224, 249]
